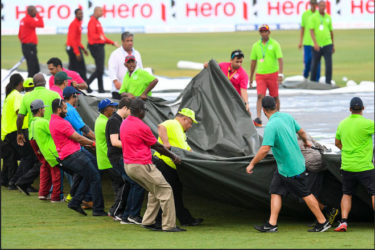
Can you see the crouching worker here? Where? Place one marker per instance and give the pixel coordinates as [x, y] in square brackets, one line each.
[280, 134]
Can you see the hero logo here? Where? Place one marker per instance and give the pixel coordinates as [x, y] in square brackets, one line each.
[49, 12]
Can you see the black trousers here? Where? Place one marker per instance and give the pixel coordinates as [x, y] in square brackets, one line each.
[116, 95]
[75, 65]
[326, 52]
[10, 154]
[170, 175]
[30, 53]
[97, 51]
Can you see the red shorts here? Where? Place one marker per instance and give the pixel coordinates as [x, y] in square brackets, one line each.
[267, 81]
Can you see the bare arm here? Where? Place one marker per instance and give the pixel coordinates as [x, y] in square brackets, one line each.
[149, 88]
[333, 44]
[81, 139]
[164, 151]
[301, 37]
[245, 99]
[82, 85]
[281, 69]
[263, 151]
[252, 69]
[302, 134]
[338, 143]
[90, 135]
[20, 137]
[162, 131]
[115, 141]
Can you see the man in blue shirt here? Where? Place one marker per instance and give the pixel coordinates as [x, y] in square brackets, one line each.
[280, 134]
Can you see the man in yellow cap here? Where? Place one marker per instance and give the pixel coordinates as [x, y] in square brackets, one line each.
[172, 133]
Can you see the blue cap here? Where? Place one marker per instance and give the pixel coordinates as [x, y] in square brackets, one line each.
[69, 91]
[356, 103]
[105, 103]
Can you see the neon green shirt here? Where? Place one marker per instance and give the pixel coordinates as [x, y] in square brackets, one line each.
[266, 56]
[355, 133]
[101, 142]
[39, 131]
[137, 83]
[322, 27]
[176, 137]
[307, 40]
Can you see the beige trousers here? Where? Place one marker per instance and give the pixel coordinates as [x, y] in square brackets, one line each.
[160, 194]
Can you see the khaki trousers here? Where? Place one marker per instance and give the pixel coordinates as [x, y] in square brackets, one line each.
[160, 194]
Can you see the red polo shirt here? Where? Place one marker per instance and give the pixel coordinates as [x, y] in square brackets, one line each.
[74, 75]
[28, 24]
[95, 32]
[238, 78]
[74, 36]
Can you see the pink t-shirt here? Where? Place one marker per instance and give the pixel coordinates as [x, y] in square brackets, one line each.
[74, 75]
[58, 90]
[136, 139]
[238, 78]
[60, 130]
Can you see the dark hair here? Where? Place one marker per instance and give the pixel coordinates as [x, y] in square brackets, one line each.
[269, 103]
[125, 35]
[59, 82]
[57, 103]
[237, 54]
[55, 61]
[125, 102]
[14, 80]
[35, 111]
[76, 11]
[137, 106]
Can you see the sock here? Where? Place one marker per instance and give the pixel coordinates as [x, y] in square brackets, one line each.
[344, 220]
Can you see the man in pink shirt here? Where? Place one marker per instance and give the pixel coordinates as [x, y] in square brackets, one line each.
[74, 160]
[137, 140]
[55, 65]
[61, 82]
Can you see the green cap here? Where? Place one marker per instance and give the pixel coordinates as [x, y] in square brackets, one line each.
[188, 113]
[62, 76]
[28, 83]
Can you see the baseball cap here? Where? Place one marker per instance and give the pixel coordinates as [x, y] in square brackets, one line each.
[69, 91]
[189, 113]
[356, 103]
[37, 104]
[28, 83]
[128, 58]
[62, 76]
[264, 27]
[105, 103]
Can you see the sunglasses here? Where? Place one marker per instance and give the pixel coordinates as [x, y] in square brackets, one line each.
[237, 54]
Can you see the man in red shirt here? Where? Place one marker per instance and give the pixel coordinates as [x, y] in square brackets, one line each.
[29, 40]
[74, 47]
[96, 41]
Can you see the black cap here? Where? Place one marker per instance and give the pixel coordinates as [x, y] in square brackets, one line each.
[356, 103]
[269, 102]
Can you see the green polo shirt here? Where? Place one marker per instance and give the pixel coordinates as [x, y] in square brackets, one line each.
[307, 40]
[267, 56]
[355, 133]
[322, 27]
[101, 142]
[280, 134]
[137, 83]
[176, 137]
[39, 131]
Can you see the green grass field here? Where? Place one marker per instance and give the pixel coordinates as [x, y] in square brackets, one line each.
[30, 223]
[354, 57]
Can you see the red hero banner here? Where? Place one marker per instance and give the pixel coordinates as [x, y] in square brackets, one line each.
[362, 7]
[50, 11]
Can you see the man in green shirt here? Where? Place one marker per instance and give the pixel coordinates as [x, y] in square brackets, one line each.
[266, 53]
[137, 82]
[320, 26]
[280, 134]
[354, 138]
[41, 139]
[305, 39]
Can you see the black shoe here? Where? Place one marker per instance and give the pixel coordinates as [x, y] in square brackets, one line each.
[125, 221]
[89, 90]
[31, 189]
[100, 213]
[320, 227]
[175, 229]
[135, 219]
[23, 189]
[101, 91]
[153, 227]
[194, 222]
[267, 227]
[12, 187]
[78, 210]
[331, 215]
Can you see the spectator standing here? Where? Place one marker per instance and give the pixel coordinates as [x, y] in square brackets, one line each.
[29, 39]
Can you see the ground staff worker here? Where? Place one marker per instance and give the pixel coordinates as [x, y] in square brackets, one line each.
[29, 39]
[96, 42]
[172, 134]
[354, 138]
[320, 25]
[266, 53]
[280, 134]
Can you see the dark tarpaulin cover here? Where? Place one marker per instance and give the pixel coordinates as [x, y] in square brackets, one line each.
[223, 143]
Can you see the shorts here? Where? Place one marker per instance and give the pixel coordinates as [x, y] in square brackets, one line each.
[350, 181]
[267, 81]
[297, 185]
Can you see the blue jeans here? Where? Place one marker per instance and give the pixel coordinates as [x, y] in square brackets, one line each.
[326, 52]
[79, 163]
[307, 59]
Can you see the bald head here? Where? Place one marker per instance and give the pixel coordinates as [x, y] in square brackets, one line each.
[39, 80]
[98, 12]
[31, 10]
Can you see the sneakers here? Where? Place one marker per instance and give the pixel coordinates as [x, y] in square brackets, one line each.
[342, 227]
[12, 187]
[153, 227]
[125, 221]
[23, 189]
[320, 227]
[266, 228]
[194, 222]
[99, 213]
[331, 215]
[57, 201]
[135, 219]
[175, 230]
[257, 122]
[42, 197]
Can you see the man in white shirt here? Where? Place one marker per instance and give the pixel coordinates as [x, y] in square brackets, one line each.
[116, 67]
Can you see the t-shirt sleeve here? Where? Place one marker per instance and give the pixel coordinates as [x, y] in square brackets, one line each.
[147, 76]
[253, 54]
[23, 108]
[148, 137]
[338, 132]
[303, 21]
[17, 103]
[244, 80]
[279, 54]
[113, 127]
[311, 22]
[370, 127]
[67, 129]
[269, 136]
[296, 125]
[123, 87]
[75, 119]
[330, 24]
